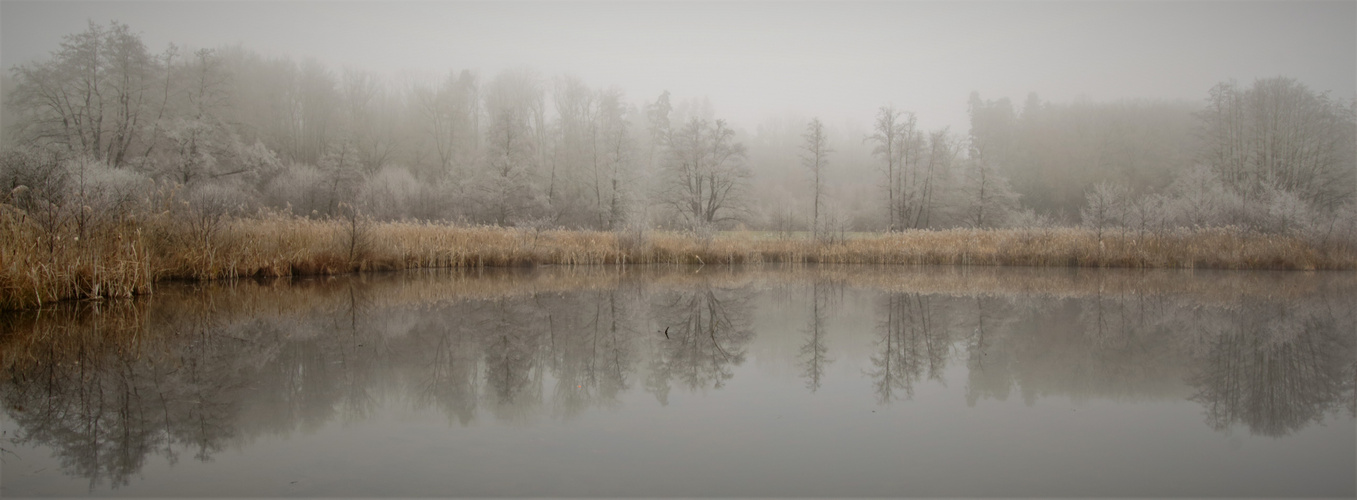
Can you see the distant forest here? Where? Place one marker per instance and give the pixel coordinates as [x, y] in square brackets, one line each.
[104, 122]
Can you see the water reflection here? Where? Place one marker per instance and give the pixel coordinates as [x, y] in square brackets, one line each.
[814, 353]
[196, 370]
[989, 374]
[105, 393]
[1275, 366]
[705, 332]
[914, 342]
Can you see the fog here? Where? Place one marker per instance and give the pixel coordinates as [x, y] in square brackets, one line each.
[756, 60]
[616, 144]
[602, 115]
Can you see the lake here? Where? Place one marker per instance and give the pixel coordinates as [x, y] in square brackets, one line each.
[693, 381]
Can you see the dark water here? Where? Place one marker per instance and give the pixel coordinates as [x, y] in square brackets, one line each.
[859, 381]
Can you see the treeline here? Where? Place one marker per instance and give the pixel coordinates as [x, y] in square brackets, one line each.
[236, 131]
[106, 133]
[1274, 157]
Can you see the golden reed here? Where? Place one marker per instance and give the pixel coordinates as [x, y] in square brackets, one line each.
[125, 259]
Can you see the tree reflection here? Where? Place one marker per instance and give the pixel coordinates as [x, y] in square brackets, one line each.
[104, 408]
[448, 375]
[359, 351]
[708, 329]
[990, 365]
[1273, 365]
[914, 341]
[1276, 367]
[592, 349]
[110, 387]
[814, 354]
[511, 349]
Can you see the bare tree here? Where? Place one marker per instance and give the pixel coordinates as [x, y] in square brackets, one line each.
[613, 159]
[197, 143]
[889, 138]
[366, 123]
[439, 121]
[657, 117]
[1106, 207]
[815, 157]
[91, 96]
[704, 174]
[314, 104]
[988, 197]
[942, 152]
[511, 147]
[1279, 133]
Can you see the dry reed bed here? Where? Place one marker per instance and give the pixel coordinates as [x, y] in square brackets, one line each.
[124, 259]
[38, 267]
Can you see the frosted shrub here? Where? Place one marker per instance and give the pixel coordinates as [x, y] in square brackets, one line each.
[1106, 207]
[633, 235]
[1030, 219]
[1198, 198]
[387, 195]
[1287, 213]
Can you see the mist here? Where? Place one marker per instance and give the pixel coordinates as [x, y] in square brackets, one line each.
[574, 115]
[678, 249]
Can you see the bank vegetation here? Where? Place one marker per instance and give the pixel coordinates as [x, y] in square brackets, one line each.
[104, 255]
[121, 167]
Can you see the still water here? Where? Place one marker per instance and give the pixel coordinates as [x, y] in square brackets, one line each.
[853, 381]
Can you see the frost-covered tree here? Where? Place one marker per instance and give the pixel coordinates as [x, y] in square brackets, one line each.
[986, 198]
[815, 152]
[92, 96]
[657, 121]
[704, 174]
[510, 165]
[890, 131]
[1106, 207]
[1279, 133]
[1198, 198]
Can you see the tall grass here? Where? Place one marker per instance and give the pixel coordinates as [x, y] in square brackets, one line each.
[39, 266]
[124, 258]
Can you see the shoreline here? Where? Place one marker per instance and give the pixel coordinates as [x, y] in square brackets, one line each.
[128, 258]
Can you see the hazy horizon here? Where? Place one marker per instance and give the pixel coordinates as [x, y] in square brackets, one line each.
[757, 61]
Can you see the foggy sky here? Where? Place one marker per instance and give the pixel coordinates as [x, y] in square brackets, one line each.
[839, 60]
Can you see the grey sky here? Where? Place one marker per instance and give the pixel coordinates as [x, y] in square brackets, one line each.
[836, 60]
